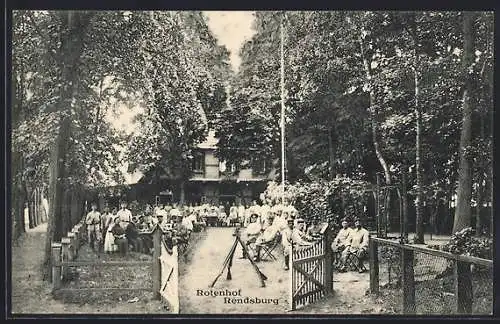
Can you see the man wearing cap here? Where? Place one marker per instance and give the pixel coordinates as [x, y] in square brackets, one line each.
[124, 214]
[356, 242]
[315, 227]
[298, 234]
[286, 241]
[251, 232]
[161, 222]
[339, 243]
[270, 231]
[93, 222]
[340, 240]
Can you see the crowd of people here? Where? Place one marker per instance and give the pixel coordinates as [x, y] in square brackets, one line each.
[119, 230]
[262, 224]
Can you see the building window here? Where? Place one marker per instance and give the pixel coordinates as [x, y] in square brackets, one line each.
[199, 162]
[228, 168]
[259, 166]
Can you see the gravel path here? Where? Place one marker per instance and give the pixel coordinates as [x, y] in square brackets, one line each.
[205, 264]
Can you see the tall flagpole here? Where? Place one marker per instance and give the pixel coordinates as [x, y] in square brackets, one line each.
[282, 119]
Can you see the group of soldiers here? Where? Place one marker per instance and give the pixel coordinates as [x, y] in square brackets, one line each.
[118, 230]
[351, 241]
[273, 222]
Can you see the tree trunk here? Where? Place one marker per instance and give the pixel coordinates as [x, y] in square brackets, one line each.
[419, 235]
[464, 191]
[330, 154]
[183, 192]
[404, 197]
[31, 209]
[74, 27]
[480, 190]
[373, 108]
[18, 196]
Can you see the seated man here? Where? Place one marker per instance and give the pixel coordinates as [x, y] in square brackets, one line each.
[357, 242]
[339, 243]
[314, 229]
[270, 232]
[251, 232]
[120, 238]
[133, 237]
[293, 235]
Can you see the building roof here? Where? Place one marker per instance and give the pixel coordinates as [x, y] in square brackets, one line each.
[210, 142]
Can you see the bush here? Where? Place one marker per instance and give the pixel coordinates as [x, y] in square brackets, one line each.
[464, 242]
[331, 200]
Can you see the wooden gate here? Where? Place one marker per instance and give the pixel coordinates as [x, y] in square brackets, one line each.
[169, 290]
[311, 272]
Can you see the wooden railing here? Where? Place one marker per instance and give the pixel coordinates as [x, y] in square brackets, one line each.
[65, 253]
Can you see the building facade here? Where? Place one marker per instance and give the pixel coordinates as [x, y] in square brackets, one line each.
[217, 182]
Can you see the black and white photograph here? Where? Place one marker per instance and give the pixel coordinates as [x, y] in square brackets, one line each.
[170, 163]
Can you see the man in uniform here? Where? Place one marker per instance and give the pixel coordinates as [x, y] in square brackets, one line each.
[339, 243]
[251, 232]
[125, 215]
[93, 222]
[315, 228]
[269, 233]
[356, 242]
[293, 235]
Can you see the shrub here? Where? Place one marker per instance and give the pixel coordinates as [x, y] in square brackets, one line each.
[464, 242]
[331, 200]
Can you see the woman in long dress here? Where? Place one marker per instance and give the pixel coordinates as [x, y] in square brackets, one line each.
[109, 239]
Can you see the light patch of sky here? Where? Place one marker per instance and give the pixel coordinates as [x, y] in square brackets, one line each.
[232, 29]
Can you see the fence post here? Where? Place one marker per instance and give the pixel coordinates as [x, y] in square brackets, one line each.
[408, 281]
[76, 244]
[328, 270]
[463, 287]
[72, 246]
[65, 255]
[292, 281]
[157, 232]
[374, 275]
[56, 267]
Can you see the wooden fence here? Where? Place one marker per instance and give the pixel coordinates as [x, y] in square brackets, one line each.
[462, 273]
[311, 273]
[164, 265]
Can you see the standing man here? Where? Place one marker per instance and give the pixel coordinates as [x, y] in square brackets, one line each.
[93, 222]
[124, 214]
[356, 242]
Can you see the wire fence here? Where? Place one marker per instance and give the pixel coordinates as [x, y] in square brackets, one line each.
[417, 280]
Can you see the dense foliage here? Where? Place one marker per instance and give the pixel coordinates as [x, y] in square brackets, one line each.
[366, 92]
[330, 200]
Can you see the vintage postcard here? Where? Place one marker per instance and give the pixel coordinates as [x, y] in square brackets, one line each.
[185, 163]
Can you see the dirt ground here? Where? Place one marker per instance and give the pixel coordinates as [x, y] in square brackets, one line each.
[198, 269]
[205, 264]
[31, 295]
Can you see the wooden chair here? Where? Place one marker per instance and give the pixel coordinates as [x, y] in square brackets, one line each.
[269, 247]
[354, 262]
